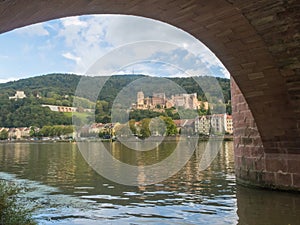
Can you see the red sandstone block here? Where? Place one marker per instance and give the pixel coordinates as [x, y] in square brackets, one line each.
[296, 180]
[249, 65]
[287, 72]
[255, 76]
[242, 106]
[268, 178]
[237, 171]
[236, 45]
[244, 173]
[259, 164]
[252, 176]
[271, 150]
[293, 150]
[239, 126]
[258, 151]
[258, 144]
[275, 164]
[249, 163]
[264, 63]
[294, 166]
[238, 131]
[251, 39]
[235, 19]
[236, 141]
[254, 45]
[238, 161]
[248, 151]
[283, 179]
[238, 151]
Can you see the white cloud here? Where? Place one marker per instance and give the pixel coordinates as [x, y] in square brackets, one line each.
[5, 80]
[225, 72]
[127, 29]
[84, 40]
[38, 29]
[70, 56]
[73, 21]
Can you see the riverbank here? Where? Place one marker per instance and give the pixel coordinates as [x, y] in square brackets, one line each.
[133, 139]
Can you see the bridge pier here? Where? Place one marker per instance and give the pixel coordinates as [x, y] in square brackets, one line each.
[253, 166]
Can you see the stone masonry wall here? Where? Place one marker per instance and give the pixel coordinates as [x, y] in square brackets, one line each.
[252, 165]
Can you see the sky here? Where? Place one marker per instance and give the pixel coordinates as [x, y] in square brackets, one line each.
[104, 45]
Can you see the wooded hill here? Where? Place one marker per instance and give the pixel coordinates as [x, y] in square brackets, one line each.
[59, 89]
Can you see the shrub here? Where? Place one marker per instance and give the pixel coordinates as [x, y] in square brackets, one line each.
[11, 211]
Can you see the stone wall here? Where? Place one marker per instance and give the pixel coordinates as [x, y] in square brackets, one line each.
[253, 165]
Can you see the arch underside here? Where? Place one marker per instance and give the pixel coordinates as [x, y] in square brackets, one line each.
[257, 41]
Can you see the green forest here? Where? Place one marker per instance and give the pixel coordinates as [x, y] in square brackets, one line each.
[59, 89]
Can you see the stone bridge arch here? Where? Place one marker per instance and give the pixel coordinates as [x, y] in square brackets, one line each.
[258, 42]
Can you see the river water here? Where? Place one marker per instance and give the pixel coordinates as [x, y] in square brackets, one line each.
[64, 189]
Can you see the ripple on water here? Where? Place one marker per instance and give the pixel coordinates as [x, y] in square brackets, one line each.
[131, 193]
[106, 197]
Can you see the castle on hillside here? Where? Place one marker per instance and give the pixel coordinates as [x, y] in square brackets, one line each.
[159, 100]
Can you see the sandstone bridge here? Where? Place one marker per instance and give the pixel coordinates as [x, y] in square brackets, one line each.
[257, 40]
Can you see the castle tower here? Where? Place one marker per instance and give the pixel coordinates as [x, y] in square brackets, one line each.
[140, 98]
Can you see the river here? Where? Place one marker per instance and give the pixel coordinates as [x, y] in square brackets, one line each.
[64, 189]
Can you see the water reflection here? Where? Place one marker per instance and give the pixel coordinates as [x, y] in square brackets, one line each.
[264, 207]
[68, 191]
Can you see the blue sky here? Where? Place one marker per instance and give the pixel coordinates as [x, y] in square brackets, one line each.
[122, 44]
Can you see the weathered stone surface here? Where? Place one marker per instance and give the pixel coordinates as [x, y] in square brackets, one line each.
[274, 164]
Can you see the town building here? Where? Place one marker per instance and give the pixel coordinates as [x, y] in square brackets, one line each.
[18, 95]
[229, 124]
[96, 127]
[57, 108]
[18, 133]
[218, 123]
[185, 126]
[202, 125]
[214, 124]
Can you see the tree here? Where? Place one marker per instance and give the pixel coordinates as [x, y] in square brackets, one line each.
[104, 119]
[33, 132]
[202, 110]
[46, 131]
[123, 130]
[145, 131]
[171, 128]
[68, 130]
[132, 126]
[228, 108]
[4, 135]
[157, 126]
